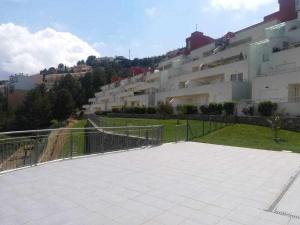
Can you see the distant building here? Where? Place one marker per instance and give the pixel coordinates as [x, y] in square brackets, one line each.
[17, 87]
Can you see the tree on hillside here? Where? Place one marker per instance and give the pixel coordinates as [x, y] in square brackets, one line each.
[92, 82]
[3, 103]
[64, 105]
[61, 68]
[80, 62]
[35, 112]
[72, 85]
[91, 60]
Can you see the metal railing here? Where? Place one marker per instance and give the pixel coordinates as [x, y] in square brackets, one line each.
[194, 129]
[29, 148]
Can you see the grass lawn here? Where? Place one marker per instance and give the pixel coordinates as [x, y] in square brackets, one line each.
[78, 140]
[170, 130]
[250, 136]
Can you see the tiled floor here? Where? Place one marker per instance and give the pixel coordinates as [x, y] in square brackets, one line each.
[175, 184]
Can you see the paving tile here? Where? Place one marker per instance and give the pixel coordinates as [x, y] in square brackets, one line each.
[185, 184]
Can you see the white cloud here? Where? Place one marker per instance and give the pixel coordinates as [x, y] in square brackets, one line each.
[29, 52]
[151, 12]
[238, 4]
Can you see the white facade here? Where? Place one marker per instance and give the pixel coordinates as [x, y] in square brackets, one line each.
[258, 63]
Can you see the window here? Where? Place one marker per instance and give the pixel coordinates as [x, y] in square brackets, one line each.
[265, 57]
[233, 77]
[240, 77]
[237, 77]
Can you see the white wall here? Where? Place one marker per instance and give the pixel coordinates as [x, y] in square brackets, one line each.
[274, 87]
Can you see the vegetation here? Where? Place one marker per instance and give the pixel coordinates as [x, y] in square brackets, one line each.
[267, 108]
[173, 129]
[212, 109]
[187, 109]
[78, 140]
[251, 136]
[229, 108]
[35, 112]
[165, 108]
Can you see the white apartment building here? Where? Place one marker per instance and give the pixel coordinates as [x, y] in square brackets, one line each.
[258, 63]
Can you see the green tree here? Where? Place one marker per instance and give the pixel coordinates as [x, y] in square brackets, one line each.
[64, 105]
[35, 112]
[61, 68]
[91, 60]
[73, 86]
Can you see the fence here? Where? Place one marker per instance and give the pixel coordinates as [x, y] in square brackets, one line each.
[194, 129]
[28, 148]
[178, 130]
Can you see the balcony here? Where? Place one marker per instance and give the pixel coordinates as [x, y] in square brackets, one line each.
[125, 94]
[146, 86]
[279, 72]
[222, 69]
[133, 84]
[92, 100]
[153, 76]
[197, 89]
[138, 98]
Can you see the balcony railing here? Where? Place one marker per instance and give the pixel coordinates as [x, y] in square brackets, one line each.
[30, 148]
[279, 71]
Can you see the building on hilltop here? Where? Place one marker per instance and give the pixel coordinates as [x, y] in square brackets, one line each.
[258, 63]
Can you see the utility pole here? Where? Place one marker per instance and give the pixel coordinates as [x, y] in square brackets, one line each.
[129, 54]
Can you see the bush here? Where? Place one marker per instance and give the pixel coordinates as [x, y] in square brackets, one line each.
[215, 109]
[139, 110]
[267, 108]
[116, 110]
[165, 108]
[101, 113]
[134, 110]
[187, 109]
[151, 110]
[229, 108]
[204, 109]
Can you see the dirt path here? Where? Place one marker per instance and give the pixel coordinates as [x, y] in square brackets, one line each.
[56, 142]
[20, 158]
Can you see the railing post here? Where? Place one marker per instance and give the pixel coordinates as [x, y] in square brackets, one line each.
[176, 131]
[36, 150]
[127, 138]
[147, 137]
[187, 130]
[161, 134]
[71, 145]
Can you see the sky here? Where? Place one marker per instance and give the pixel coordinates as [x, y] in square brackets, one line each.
[35, 34]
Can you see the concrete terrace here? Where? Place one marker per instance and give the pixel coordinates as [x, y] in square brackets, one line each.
[184, 184]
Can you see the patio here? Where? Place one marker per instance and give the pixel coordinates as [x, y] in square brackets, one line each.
[184, 184]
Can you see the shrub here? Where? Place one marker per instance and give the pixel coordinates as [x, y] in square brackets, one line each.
[116, 110]
[267, 108]
[134, 110]
[187, 109]
[215, 109]
[151, 110]
[165, 108]
[229, 108]
[139, 110]
[204, 109]
[101, 113]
